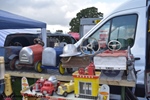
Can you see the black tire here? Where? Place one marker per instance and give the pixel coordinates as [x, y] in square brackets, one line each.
[16, 64]
[12, 63]
[37, 66]
[61, 69]
[69, 70]
[25, 95]
[65, 94]
[52, 93]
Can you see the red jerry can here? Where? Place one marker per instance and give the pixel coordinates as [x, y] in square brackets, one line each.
[91, 69]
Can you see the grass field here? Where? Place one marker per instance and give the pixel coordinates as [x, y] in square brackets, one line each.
[16, 86]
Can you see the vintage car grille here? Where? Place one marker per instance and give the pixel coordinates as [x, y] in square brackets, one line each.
[26, 56]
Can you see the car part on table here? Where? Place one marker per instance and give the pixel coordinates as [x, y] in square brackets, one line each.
[114, 62]
[70, 50]
[76, 61]
[89, 49]
[51, 59]
[71, 58]
[30, 56]
[38, 41]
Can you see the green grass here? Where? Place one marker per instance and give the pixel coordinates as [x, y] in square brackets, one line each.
[16, 86]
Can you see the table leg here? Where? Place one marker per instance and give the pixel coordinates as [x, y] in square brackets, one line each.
[122, 93]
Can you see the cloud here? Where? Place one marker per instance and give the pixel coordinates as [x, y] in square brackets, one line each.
[54, 12]
[53, 28]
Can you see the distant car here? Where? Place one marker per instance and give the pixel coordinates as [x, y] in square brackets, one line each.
[20, 39]
[75, 35]
[52, 38]
[13, 44]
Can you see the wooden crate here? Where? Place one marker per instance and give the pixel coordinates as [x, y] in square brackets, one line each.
[76, 61]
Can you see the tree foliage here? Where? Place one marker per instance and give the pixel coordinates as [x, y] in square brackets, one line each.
[91, 12]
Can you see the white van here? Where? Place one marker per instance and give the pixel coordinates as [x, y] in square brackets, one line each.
[129, 24]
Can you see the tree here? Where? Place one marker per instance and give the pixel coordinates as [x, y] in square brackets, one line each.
[90, 12]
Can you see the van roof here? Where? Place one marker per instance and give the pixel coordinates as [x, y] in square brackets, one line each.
[131, 4]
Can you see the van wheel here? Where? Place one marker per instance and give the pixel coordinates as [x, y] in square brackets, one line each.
[37, 66]
[65, 94]
[16, 64]
[12, 63]
[61, 69]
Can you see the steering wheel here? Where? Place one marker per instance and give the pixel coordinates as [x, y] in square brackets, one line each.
[57, 42]
[90, 46]
[38, 41]
[113, 44]
[17, 44]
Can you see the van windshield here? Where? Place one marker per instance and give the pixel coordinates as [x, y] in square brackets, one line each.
[123, 30]
[120, 28]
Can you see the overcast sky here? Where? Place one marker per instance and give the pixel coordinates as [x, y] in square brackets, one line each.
[56, 13]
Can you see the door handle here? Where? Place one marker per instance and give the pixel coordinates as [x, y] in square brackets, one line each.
[137, 58]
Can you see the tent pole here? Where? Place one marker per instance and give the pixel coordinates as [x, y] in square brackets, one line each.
[44, 36]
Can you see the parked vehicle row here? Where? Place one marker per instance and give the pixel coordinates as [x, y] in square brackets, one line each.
[31, 54]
